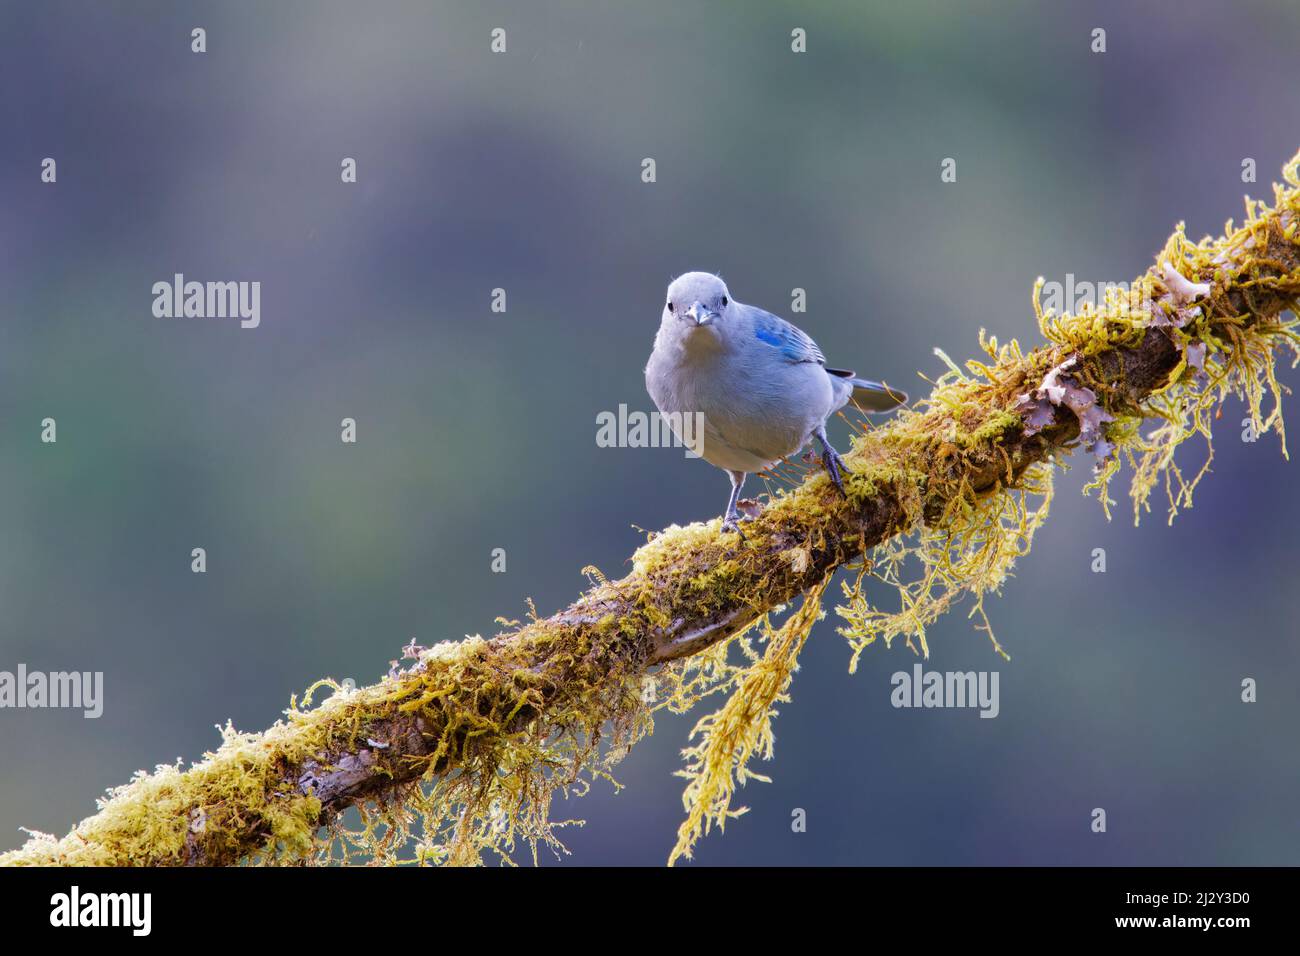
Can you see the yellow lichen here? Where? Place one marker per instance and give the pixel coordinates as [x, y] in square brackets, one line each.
[741, 728]
[970, 549]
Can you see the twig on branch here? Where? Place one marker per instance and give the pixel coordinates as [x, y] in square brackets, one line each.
[462, 750]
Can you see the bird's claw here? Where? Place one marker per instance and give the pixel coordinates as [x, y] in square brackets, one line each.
[730, 523]
[835, 467]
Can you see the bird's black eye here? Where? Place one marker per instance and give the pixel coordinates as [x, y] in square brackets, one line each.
[724, 301]
[670, 306]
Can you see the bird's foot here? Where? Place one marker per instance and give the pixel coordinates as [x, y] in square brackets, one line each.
[835, 467]
[730, 522]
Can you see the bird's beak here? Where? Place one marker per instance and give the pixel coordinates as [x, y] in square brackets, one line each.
[700, 314]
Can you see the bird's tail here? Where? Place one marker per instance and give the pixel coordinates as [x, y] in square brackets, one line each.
[875, 397]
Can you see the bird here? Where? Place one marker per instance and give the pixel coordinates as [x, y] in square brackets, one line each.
[757, 385]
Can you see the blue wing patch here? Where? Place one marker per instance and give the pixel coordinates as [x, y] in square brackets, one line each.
[793, 342]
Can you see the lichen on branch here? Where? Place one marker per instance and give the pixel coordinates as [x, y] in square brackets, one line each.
[459, 755]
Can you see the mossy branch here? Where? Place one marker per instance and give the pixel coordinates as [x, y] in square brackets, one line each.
[461, 751]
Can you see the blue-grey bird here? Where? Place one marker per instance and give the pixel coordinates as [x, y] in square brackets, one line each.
[758, 385]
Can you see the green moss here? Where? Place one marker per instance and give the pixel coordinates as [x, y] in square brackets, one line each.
[507, 725]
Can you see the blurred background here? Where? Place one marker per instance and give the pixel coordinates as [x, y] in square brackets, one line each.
[476, 430]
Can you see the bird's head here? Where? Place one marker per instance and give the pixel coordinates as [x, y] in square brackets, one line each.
[698, 299]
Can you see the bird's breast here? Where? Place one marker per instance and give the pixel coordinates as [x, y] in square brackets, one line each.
[752, 414]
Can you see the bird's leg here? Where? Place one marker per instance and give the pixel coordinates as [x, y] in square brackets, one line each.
[831, 458]
[730, 519]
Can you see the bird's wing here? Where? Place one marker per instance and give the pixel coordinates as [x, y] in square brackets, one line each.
[791, 341]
